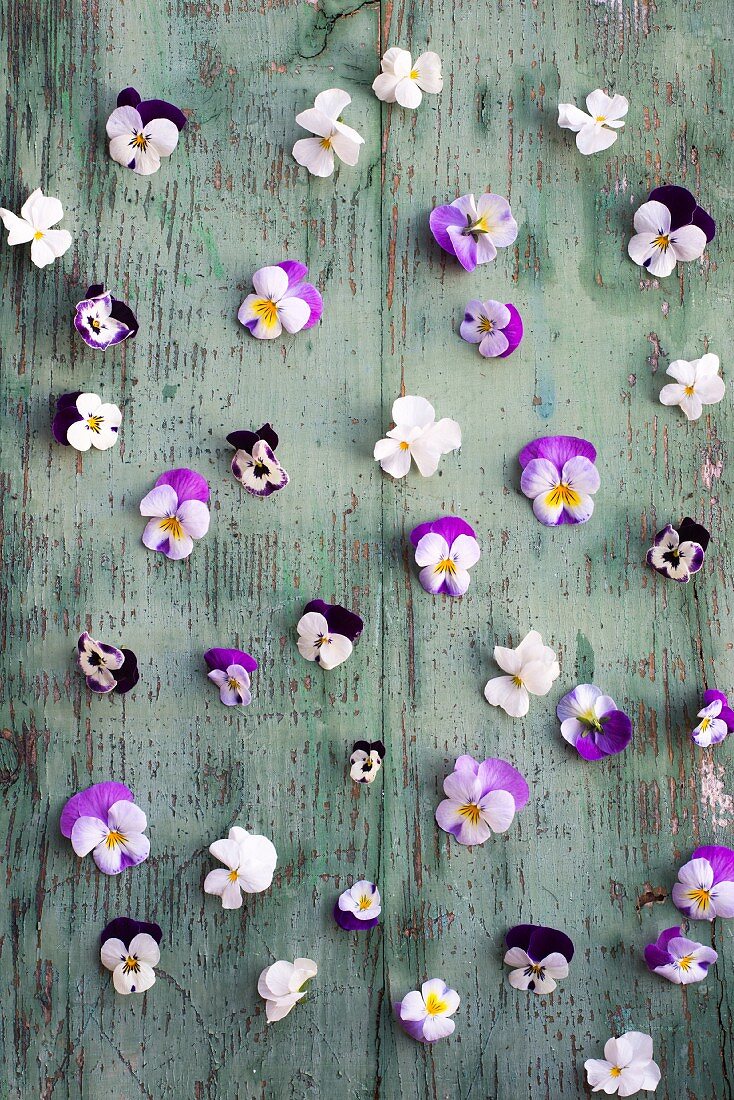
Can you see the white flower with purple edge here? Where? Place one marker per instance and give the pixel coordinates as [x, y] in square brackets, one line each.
[249, 860]
[472, 231]
[696, 384]
[230, 670]
[254, 464]
[678, 552]
[481, 799]
[497, 328]
[403, 81]
[425, 1014]
[84, 420]
[104, 820]
[445, 550]
[717, 720]
[596, 130]
[178, 505]
[282, 300]
[332, 135]
[143, 131]
[103, 320]
[326, 632]
[281, 986]
[359, 907]
[539, 957]
[366, 760]
[417, 437]
[38, 213]
[130, 949]
[531, 668]
[591, 722]
[669, 227]
[559, 476]
[705, 886]
[680, 960]
[106, 667]
[626, 1068]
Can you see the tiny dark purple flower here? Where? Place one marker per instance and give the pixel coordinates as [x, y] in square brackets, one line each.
[497, 328]
[366, 760]
[230, 671]
[106, 667]
[445, 549]
[559, 476]
[539, 956]
[591, 723]
[326, 632]
[717, 720]
[359, 907]
[680, 960]
[678, 552]
[103, 320]
[254, 464]
[143, 131]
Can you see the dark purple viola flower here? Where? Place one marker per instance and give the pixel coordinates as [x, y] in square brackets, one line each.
[105, 821]
[559, 476]
[717, 719]
[230, 671]
[472, 231]
[705, 886]
[445, 549]
[66, 415]
[680, 960]
[178, 505]
[130, 949]
[591, 723]
[539, 956]
[255, 465]
[282, 300]
[127, 675]
[359, 907]
[678, 553]
[669, 227]
[684, 210]
[106, 667]
[495, 327]
[221, 658]
[326, 632]
[143, 131]
[103, 320]
[126, 928]
[366, 760]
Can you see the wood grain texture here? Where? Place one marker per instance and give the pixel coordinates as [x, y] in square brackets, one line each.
[182, 246]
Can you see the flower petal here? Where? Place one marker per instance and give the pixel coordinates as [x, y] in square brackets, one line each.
[502, 691]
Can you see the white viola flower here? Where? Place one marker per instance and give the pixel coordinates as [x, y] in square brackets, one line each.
[627, 1067]
[332, 135]
[425, 1013]
[38, 213]
[362, 900]
[403, 82]
[281, 986]
[99, 424]
[131, 964]
[696, 384]
[657, 246]
[531, 669]
[417, 436]
[596, 130]
[250, 864]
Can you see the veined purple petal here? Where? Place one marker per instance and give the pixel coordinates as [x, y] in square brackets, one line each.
[440, 220]
[148, 109]
[122, 313]
[340, 619]
[726, 714]
[721, 859]
[296, 272]
[449, 527]
[513, 332]
[350, 923]
[498, 775]
[222, 658]
[464, 247]
[128, 97]
[414, 1028]
[187, 484]
[690, 531]
[616, 733]
[312, 297]
[95, 801]
[558, 449]
[126, 929]
[587, 747]
[127, 675]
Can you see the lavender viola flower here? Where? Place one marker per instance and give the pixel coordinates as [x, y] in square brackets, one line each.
[678, 552]
[473, 231]
[130, 950]
[679, 959]
[591, 723]
[326, 632]
[143, 131]
[705, 886]
[106, 667]
[539, 956]
[255, 465]
[669, 227]
[83, 420]
[105, 821]
[230, 671]
[425, 1013]
[282, 300]
[481, 799]
[717, 719]
[495, 327]
[445, 549]
[102, 320]
[178, 505]
[359, 907]
[559, 476]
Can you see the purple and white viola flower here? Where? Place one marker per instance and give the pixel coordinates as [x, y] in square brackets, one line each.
[678, 552]
[326, 632]
[331, 134]
[417, 437]
[680, 960]
[591, 722]
[37, 214]
[697, 383]
[103, 320]
[626, 1068]
[282, 300]
[254, 464]
[717, 719]
[472, 231]
[425, 1014]
[705, 886]
[249, 859]
[559, 476]
[230, 671]
[104, 820]
[495, 327]
[141, 131]
[403, 81]
[130, 950]
[281, 986]
[106, 667]
[530, 669]
[178, 505]
[596, 130]
[539, 955]
[481, 799]
[445, 550]
[669, 227]
[84, 420]
[359, 907]
[366, 760]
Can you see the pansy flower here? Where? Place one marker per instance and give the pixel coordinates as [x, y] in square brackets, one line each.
[596, 130]
[84, 420]
[669, 227]
[591, 723]
[696, 384]
[717, 719]
[680, 960]
[104, 820]
[496, 328]
[282, 300]
[425, 1013]
[38, 213]
[326, 632]
[281, 986]
[366, 760]
[106, 667]
[705, 886]
[230, 671]
[332, 135]
[626, 1068]
[254, 464]
[539, 956]
[143, 131]
[417, 437]
[178, 504]
[530, 669]
[472, 231]
[481, 799]
[678, 552]
[559, 476]
[404, 81]
[359, 907]
[103, 320]
[130, 950]
[249, 860]
[445, 550]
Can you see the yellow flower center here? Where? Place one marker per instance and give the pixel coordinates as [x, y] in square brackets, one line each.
[689, 391]
[131, 965]
[234, 684]
[615, 1071]
[325, 142]
[267, 311]
[445, 566]
[705, 725]
[404, 446]
[434, 1005]
[662, 241]
[233, 875]
[37, 235]
[114, 838]
[95, 325]
[485, 325]
[365, 902]
[140, 141]
[564, 495]
[172, 526]
[94, 423]
[414, 74]
[600, 118]
[517, 681]
[700, 897]
[685, 963]
[471, 812]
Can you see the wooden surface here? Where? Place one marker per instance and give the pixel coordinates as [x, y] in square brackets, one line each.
[182, 246]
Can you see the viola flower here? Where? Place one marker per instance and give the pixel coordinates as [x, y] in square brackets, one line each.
[678, 552]
[596, 130]
[481, 799]
[418, 437]
[178, 505]
[403, 82]
[559, 476]
[250, 865]
[102, 320]
[254, 464]
[473, 231]
[230, 671]
[130, 950]
[531, 669]
[591, 723]
[281, 986]
[282, 300]
[717, 719]
[326, 632]
[425, 1014]
[496, 328]
[143, 131]
[106, 667]
[680, 960]
[38, 213]
[705, 886]
[332, 135]
[358, 908]
[83, 420]
[696, 384]
[540, 955]
[627, 1066]
[104, 820]
[669, 227]
[446, 550]
[366, 760]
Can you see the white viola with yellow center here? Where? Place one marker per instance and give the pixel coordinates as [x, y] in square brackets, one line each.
[531, 669]
[143, 131]
[249, 861]
[275, 305]
[38, 213]
[132, 963]
[425, 1014]
[705, 886]
[404, 81]
[332, 136]
[482, 798]
[98, 424]
[559, 476]
[178, 505]
[626, 1068]
[596, 130]
[697, 383]
[359, 907]
[445, 549]
[417, 437]
[281, 986]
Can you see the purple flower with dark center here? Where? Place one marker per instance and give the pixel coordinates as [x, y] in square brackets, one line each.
[230, 671]
[359, 907]
[559, 476]
[143, 131]
[481, 799]
[705, 886]
[130, 950]
[680, 960]
[425, 1013]
[591, 723]
[178, 504]
[473, 231]
[83, 420]
[445, 549]
[326, 632]
[282, 300]
[102, 320]
[106, 667]
[678, 552]
[717, 719]
[496, 328]
[255, 465]
[669, 227]
[105, 821]
[539, 956]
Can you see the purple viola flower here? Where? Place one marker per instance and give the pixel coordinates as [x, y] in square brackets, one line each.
[359, 907]
[255, 465]
[143, 131]
[230, 671]
[669, 227]
[591, 723]
[679, 959]
[717, 719]
[473, 231]
[326, 632]
[539, 956]
[130, 949]
[105, 821]
[102, 320]
[83, 420]
[705, 886]
[559, 476]
[495, 327]
[481, 799]
[282, 300]
[178, 504]
[425, 1013]
[106, 667]
[678, 552]
[445, 549]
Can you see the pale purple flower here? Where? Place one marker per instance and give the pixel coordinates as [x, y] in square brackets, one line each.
[717, 719]
[473, 231]
[130, 950]
[539, 957]
[495, 327]
[143, 131]
[680, 960]
[678, 552]
[230, 671]
[705, 886]
[178, 504]
[105, 821]
[591, 723]
[481, 799]
[425, 1014]
[559, 476]
[282, 300]
[102, 320]
[669, 227]
[359, 907]
[445, 549]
